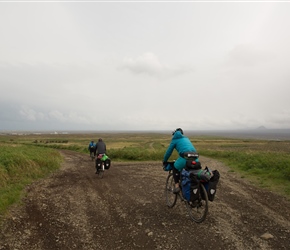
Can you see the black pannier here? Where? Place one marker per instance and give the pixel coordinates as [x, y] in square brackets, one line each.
[107, 163]
[212, 185]
[98, 163]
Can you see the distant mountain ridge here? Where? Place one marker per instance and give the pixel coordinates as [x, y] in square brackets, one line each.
[262, 127]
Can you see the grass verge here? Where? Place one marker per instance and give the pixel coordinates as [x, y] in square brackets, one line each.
[19, 166]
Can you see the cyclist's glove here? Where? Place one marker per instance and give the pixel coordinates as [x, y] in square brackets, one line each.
[164, 165]
[167, 167]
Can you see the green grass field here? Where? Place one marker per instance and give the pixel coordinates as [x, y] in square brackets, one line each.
[19, 166]
[24, 158]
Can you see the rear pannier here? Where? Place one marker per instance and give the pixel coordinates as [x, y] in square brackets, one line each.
[212, 185]
[107, 163]
[189, 185]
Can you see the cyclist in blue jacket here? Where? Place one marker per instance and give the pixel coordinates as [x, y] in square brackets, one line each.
[92, 147]
[182, 144]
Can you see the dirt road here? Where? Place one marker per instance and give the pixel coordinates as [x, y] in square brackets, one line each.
[74, 209]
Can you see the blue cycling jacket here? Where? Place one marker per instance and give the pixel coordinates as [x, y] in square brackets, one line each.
[92, 145]
[182, 144]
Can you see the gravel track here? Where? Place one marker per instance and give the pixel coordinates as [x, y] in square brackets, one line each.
[74, 209]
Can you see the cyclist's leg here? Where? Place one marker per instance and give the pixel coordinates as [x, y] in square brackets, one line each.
[176, 176]
[179, 164]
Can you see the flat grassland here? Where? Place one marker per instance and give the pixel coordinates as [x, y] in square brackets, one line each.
[266, 162]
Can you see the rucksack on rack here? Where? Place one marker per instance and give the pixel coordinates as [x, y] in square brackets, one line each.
[209, 179]
[203, 175]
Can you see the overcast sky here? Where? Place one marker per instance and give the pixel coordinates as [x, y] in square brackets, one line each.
[144, 65]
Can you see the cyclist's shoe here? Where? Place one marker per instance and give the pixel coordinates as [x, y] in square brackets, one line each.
[176, 190]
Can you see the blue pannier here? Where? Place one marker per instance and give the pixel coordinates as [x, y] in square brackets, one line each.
[189, 185]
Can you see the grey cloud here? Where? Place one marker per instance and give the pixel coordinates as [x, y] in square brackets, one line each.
[149, 64]
[72, 117]
[248, 55]
[46, 84]
[30, 114]
[280, 118]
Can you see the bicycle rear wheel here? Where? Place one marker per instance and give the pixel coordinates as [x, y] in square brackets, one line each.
[198, 209]
[102, 170]
[170, 196]
[101, 173]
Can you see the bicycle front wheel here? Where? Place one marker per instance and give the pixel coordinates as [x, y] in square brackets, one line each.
[198, 209]
[170, 196]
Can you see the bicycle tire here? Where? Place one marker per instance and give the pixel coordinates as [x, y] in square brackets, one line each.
[169, 195]
[198, 209]
[101, 173]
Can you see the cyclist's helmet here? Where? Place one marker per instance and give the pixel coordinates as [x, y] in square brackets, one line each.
[178, 129]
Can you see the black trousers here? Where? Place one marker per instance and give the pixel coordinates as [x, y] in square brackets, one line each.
[176, 175]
